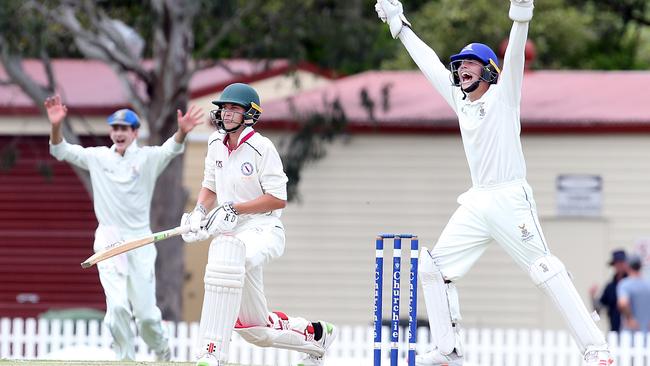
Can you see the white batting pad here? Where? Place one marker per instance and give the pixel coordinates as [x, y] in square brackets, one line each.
[224, 279]
[443, 308]
[288, 333]
[549, 274]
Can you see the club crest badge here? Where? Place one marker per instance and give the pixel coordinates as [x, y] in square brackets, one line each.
[247, 169]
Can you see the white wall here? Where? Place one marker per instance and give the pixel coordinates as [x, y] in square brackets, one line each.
[407, 183]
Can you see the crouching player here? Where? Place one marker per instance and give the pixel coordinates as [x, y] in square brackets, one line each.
[245, 182]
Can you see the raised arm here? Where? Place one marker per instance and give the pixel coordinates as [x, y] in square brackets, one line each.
[59, 148]
[521, 12]
[187, 122]
[175, 145]
[391, 12]
[56, 112]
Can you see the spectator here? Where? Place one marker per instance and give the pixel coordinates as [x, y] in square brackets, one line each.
[608, 298]
[634, 298]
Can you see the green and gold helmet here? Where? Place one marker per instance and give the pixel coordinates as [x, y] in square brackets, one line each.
[242, 95]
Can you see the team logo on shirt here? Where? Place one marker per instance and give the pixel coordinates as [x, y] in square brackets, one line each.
[135, 171]
[247, 169]
[525, 234]
[219, 163]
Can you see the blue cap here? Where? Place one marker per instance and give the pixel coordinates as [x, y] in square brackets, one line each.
[618, 256]
[125, 117]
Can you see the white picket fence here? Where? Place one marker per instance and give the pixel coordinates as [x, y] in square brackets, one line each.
[79, 340]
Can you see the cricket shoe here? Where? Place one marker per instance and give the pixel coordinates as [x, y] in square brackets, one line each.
[209, 359]
[598, 357]
[329, 335]
[435, 358]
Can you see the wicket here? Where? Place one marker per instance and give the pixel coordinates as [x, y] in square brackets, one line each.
[396, 296]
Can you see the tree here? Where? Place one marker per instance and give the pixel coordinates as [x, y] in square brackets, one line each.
[574, 34]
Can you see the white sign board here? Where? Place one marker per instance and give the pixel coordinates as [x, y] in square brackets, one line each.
[579, 195]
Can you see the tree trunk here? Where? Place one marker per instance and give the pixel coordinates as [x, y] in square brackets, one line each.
[167, 207]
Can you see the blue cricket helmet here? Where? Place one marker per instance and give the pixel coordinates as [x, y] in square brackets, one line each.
[124, 117]
[481, 53]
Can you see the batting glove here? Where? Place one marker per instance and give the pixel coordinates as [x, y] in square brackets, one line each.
[193, 220]
[392, 12]
[521, 10]
[222, 219]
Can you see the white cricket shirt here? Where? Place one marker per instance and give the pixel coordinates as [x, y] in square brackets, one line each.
[252, 169]
[490, 127]
[122, 185]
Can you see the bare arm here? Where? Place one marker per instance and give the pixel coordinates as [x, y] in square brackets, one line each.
[626, 312]
[187, 122]
[56, 113]
[206, 198]
[59, 148]
[263, 203]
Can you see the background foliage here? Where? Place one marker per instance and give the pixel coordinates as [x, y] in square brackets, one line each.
[346, 36]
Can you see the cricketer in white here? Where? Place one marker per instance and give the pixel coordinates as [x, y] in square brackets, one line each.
[123, 179]
[499, 206]
[244, 179]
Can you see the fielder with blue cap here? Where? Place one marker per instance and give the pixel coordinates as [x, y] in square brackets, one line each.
[499, 206]
[123, 177]
[124, 117]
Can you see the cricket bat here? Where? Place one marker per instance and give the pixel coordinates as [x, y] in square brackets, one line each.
[122, 247]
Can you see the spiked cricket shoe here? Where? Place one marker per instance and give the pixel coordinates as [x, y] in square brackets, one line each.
[435, 358]
[329, 335]
[598, 358]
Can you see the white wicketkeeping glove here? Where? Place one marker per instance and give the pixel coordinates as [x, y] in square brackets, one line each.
[194, 219]
[222, 219]
[392, 12]
[521, 10]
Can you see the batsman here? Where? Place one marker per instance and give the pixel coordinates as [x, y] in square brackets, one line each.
[499, 206]
[245, 183]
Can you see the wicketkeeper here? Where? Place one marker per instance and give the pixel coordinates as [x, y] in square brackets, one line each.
[123, 179]
[499, 206]
[244, 181]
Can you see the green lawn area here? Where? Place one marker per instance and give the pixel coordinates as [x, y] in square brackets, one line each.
[90, 363]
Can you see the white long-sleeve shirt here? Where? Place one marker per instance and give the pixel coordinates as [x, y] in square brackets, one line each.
[245, 173]
[490, 126]
[122, 185]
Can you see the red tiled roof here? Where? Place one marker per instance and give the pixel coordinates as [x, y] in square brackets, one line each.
[91, 87]
[602, 101]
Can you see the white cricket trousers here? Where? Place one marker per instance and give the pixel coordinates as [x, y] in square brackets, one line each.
[129, 283]
[506, 213]
[264, 240]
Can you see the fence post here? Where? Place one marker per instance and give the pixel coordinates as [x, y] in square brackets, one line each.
[30, 338]
[17, 332]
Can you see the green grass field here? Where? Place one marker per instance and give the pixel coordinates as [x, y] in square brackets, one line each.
[91, 363]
